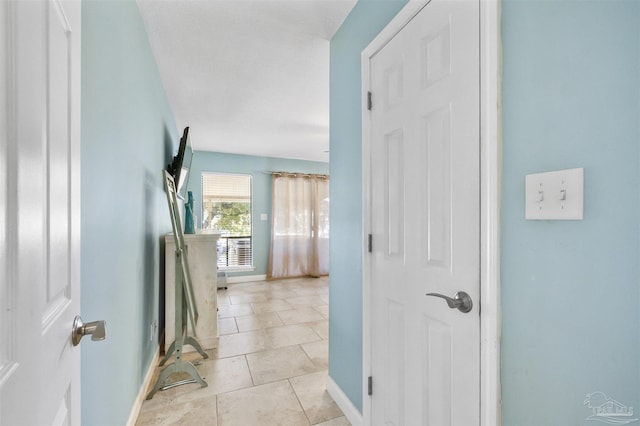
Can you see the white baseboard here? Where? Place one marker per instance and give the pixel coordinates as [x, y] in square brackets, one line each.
[142, 393]
[350, 411]
[245, 278]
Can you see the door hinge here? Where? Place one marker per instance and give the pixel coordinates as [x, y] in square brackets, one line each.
[370, 243]
[370, 386]
[369, 103]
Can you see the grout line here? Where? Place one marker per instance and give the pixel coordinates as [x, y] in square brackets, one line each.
[249, 369]
[304, 374]
[217, 410]
[299, 402]
[281, 320]
[313, 363]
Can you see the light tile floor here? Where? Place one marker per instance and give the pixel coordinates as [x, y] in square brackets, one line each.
[270, 367]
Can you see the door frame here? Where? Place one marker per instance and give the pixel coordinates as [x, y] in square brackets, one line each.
[490, 185]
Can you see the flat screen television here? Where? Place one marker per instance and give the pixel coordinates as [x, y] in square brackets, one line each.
[181, 164]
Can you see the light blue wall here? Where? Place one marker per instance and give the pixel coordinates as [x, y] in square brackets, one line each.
[570, 290]
[128, 136]
[258, 168]
[364, 22]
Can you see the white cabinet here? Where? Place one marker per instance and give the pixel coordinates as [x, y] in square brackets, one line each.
[202, 254]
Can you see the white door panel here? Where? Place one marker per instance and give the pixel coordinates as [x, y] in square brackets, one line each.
[39, 291]
[425, 219]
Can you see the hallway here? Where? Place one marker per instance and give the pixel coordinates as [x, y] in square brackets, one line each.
[270, 366]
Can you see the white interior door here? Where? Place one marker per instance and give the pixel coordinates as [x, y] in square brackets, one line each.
[425, 204]
[40, 211]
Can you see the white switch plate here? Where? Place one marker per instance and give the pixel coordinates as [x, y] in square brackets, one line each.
[263, 216]
[555, 195]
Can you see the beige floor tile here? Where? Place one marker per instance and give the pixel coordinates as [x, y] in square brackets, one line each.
[227, 311]
[316, 401]
[246, 288]
[280, 294]
[293, 282]
[196, 412]
[299, 315]
[289, 335]
[279, 286]
[227, 326]
[223, 299]
[276, 350]
[258, 321]
[307, 291]
[321, 328]
[241, 343]
[161, 399]
[222, 375]
[316, 283]
[305, 301]
[318, 353]
[323, 309]
[271, 366]
[273, 305]
[248, 298]
[270, 404]
[340, 421]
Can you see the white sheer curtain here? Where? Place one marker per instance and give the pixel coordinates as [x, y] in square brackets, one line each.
[299, 226]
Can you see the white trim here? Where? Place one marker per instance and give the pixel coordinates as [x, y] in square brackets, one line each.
[236, 269]
[490, 200]
[245, 278]
[345, 404]
[142, 393]
[403, 17]
[490, 181]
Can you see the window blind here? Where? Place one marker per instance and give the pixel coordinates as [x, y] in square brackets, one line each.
[226, 207]
[226, 187]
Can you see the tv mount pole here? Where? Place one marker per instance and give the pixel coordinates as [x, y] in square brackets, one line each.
[185, 305]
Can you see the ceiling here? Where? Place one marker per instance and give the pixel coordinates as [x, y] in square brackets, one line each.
[248, 76]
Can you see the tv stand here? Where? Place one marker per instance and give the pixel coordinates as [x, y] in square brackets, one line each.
[186, 311]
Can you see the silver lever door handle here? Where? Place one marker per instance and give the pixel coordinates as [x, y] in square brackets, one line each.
[96, 329]
[460, 301]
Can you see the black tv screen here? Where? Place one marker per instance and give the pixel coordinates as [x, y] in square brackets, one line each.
[179, 167]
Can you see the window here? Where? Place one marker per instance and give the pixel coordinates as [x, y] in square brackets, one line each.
[226, 207]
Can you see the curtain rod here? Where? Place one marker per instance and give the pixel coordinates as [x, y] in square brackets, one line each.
[296, 174]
